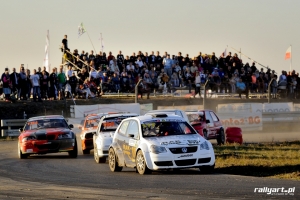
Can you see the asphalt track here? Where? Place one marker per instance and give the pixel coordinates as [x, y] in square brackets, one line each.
[55, 176]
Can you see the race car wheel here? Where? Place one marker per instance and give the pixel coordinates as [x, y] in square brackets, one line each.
[141, 165]
[205, 134]
[221, 137]
[207, 169]
[112, 161]
[74, 152]
[96, 156]
[86, 151]
[20, 154]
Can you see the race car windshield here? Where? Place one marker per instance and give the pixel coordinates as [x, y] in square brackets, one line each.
[91, 123]
[46, 123]
[167, 128]
[111, 124]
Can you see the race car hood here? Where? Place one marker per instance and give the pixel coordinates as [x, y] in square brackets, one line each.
[176, 140]
[50, 131]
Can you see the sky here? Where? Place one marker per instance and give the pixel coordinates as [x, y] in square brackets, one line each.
[262, 29]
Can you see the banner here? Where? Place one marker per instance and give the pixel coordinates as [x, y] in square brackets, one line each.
[240, 107]
[278, 107]
[183, 108]
[246, 121]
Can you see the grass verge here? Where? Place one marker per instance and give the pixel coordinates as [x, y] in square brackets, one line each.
[278, 160]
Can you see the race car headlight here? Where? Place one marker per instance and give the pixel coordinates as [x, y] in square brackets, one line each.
[204, 145]
[25, 139]
[157, 149]
[65, 136]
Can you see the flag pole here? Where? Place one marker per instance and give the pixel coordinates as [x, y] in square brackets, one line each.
[291, 59]
[91, 41]
[101, 42]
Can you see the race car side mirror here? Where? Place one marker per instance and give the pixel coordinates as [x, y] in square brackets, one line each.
[71, 126]
[20, 130]
[131, 135]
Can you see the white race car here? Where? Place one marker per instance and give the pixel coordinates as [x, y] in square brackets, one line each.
[157, 142]
[102, 138]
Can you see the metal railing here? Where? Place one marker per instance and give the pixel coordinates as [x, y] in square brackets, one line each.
[8, 124]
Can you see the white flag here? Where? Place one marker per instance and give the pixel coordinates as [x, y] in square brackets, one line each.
[225, 52]
[46, 59]
[81, 30]
[288, 53]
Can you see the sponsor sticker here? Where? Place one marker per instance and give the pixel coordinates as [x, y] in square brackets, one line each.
[29, 150]
[186, 155]
[132, 142]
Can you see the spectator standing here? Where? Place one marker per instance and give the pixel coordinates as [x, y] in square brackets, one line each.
[120, 60]
[69, 72]
[158, 58]
[73, 83]
[167, 62]
[44, 85]
[35, 82]
[15, 79]
[197, 84]
[28, 83]
[61, 78]
[23, 83]
[7, 85]
[65, 43]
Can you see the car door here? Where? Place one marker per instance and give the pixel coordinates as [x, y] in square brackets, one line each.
[119, 139]
[216, 121]
[211, 132]
[131, 143]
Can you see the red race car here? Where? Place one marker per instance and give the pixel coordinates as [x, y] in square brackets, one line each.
[47, 134]
[88, 127]
[207, 123]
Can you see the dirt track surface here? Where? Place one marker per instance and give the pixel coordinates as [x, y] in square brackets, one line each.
[55, 176]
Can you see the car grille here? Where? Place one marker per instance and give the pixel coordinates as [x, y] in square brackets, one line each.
[203, 160]
[51, 137]
[185, 162]
[182, 150]
[88, 135]
[163, 163]
[41, 136]
[47, 146]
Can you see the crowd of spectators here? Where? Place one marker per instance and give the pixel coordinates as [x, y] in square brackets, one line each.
[91, 75]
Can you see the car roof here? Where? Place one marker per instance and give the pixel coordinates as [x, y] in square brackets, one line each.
[120, 114]
[203, 110]
[46, 117]
[164, 110]
[148, 117]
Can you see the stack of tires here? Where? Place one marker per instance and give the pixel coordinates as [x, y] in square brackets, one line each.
[234, 135]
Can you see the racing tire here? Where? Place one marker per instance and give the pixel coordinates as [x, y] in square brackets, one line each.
[207, 169]
[96, 156]
[221, 137]
[20, 154]
[141, 165]
[112, 161]
[86, 151]
[74, 152]
[205, 134]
